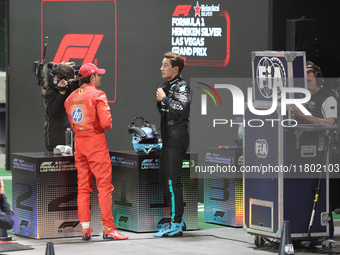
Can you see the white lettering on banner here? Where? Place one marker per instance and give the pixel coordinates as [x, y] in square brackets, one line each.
[57, 166]
[212, 31]
[21, 164]
[189, 33]
[186, 22]
[212, 8]
[186, 31]
[194, 41]
[256, 122]
[238, 100]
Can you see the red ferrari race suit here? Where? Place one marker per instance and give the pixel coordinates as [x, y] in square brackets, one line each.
[89, 114]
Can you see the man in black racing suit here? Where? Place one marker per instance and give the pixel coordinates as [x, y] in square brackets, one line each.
[173, 102]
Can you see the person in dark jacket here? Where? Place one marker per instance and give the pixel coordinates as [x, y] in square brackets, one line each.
[173, 102]
[323, 103]
[56, 120]
[6, 213]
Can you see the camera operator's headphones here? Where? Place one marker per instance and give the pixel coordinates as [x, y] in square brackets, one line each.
[318, 74]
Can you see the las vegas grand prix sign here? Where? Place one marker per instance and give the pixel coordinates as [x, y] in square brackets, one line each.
[201, 34]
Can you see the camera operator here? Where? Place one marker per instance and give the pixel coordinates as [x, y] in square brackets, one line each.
[56, 120]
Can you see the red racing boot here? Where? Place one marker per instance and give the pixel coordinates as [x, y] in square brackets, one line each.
[111, 233]
[87, 234]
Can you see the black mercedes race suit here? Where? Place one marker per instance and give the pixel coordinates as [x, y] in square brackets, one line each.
[174, 109]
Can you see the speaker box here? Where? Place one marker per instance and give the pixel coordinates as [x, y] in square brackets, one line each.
[301, 35]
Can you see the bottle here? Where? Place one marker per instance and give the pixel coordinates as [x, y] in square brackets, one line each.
[69, 138]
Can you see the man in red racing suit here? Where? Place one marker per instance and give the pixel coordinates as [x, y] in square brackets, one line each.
[89, 114]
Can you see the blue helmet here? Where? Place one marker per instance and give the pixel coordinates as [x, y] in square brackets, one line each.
[144, 139]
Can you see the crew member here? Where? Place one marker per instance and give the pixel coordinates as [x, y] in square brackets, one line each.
[89, 115]
[173, 102]
[322, 105]
[56, 120]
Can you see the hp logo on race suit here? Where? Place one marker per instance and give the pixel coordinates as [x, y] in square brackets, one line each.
[77, 115]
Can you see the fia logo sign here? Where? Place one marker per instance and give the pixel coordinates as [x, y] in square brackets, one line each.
[261, 148]
[270, 74]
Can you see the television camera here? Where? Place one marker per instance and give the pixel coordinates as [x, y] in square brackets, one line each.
[49, 75]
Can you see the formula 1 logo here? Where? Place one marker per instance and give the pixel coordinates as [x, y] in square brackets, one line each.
[150, 164]
[77, 115]
[78, 46]
[24, 223]
[219, 214]
[182, 9]
[71, 224]
[82, 40]
[123, 219]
